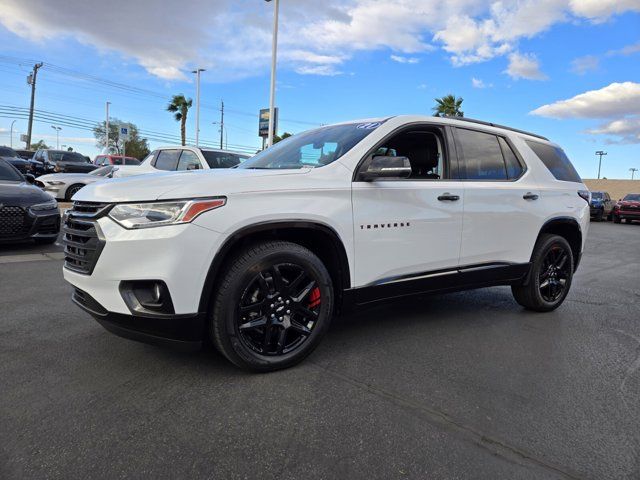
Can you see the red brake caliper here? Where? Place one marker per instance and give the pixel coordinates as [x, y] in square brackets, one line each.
[314, 298]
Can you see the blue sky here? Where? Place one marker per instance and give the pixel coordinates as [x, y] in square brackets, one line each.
[339, 61]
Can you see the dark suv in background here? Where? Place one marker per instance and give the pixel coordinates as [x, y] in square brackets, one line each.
[60, 161]
[10, 155]
[601, 206]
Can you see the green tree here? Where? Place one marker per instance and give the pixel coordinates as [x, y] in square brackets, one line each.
[38, 145]
[136, 146]
[180, 106]
[449, 106]
[277, 138]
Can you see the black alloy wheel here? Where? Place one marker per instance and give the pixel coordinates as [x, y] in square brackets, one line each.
[272, 306]
[279, 309]
[554, 274]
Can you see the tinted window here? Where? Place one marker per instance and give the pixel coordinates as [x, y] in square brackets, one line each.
[632, 197]
[167, 159]
[62, 156]
[514, 168]
[482, 155]
[7, 152]
[117, 161]
[9, 173]
[131, 161]
[220, 159]
[556, 161]
[189, 161]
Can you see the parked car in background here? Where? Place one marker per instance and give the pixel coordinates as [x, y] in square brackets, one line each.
[25, 154]
[102, 160]
[627, 208]
[59, 161]
[258, 259]
[26, 212]
[182, 158]
[63, 186]
[11, 156]
[601, 206]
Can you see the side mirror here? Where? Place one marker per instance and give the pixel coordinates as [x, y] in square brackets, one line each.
[30, 178]
[386, 167]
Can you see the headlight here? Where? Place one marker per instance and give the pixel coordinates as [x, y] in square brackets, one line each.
[54, 183]
[50, 205]
[157, 214]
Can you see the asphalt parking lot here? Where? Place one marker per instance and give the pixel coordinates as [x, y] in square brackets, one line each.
[465, 385]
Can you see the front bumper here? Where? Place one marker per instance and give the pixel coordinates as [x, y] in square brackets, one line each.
[181, 332]
[29, 225]
[629, 214]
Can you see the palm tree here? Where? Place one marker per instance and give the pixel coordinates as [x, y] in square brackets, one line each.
[180, 106]
[449, 106]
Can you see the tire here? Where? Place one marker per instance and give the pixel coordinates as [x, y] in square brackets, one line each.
[45, 241]
[616, 219]
[272, 303]
[550, 250]
[72, 190]
[599, 215]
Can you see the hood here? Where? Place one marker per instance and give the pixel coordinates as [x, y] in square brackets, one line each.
[629, 203]
[21, 194]
[63, 177]
[172, 185]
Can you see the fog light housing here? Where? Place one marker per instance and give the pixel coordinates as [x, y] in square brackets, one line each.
[147, 297]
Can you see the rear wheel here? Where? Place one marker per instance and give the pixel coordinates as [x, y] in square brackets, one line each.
[72, 190]
[616, 219]
[272, 307]
[599, 215]
[550, 276]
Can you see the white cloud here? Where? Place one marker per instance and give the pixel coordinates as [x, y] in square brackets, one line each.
[524, 66]
[479, 83]
[401, 59]
[627, 50]
[614, 100]
[582, 65]
[232, 38]
[623, 130]
[423, 86]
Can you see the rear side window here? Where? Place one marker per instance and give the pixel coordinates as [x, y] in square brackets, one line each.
[167, 159]
[482, 155]
[220, 159]
[514, 168]
[556, 161]
[131, 161]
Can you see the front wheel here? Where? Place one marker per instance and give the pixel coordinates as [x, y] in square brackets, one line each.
[272, 307]
[550, 276]
[72, 190]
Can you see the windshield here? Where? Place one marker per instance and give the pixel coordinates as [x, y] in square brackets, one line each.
[632, 197]
[7, 152]
[314, 148]
[102, 172]
[597, 195]
[61, 156]
[8, 173]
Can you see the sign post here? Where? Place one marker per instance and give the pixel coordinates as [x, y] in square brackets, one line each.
[123, 133]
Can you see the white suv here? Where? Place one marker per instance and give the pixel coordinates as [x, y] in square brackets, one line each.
[259, 258]
[170, 159]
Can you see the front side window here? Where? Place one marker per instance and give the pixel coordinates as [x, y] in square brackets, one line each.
[167, 160]
[220, 159]
[314, 148]
[189, 161]
[555, 160]
[131, 161]
[482, 155]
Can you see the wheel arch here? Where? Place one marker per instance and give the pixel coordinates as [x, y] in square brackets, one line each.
[70, 187]
[570, 230]
[320, 238]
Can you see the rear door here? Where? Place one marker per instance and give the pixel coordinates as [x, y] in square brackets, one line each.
[502, 213]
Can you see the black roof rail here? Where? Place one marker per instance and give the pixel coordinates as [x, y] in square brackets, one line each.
[481, 122]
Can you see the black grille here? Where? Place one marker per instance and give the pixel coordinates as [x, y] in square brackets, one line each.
[12, 221]
[83, 240]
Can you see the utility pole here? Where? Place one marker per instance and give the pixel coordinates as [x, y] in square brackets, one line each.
[197, 72]
[57, 129]
[600, 153]
[274, 49]
[106, 129]
[633, 170]
[221, 121]
[11, 134]
[31, 80]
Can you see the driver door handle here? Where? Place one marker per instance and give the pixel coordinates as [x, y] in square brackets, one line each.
[530, 196]
[448, 197]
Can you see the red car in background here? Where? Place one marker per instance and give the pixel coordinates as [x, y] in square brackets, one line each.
[102, 160]
[627, 209]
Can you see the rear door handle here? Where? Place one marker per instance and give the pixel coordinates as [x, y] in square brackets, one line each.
[530, 196]
[448, 197]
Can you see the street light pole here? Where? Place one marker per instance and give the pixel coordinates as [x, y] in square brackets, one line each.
[106, 129]
[197, 72]
[600, 153]
[633, 170]
[11, 134]
[274, 49]
[57, 129]
[31, 80]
